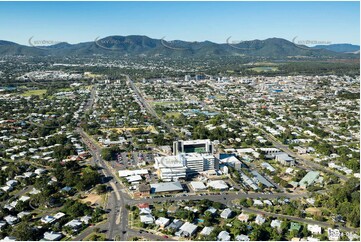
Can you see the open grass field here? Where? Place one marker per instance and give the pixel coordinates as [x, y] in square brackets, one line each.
[165, 103]
[122, 129]
[264, 68]
[38, 92]
[173, 114]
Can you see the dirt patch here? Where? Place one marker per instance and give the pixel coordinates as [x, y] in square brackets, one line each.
[93, 198]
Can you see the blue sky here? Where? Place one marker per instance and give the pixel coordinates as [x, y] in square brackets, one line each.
[74, 22]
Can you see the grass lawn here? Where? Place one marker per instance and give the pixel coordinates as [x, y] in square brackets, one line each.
[264, 68]
[165, 103]
[97, 236]
[38, 92]
[175, 114]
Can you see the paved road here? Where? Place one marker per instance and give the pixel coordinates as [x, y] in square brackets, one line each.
[118, 217]
[148, 107]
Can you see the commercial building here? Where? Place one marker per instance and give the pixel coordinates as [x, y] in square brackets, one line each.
[198, 186]
[232, 161]
[193, 146]
[258, 178]
[125, 173]
[285, 159]
[172, 168]
[309, 179]
[268, 167]
[165, 187]
[218, 185]
[197, 163]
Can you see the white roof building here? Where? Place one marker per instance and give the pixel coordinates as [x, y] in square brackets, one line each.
[162, 222]
[257, 202]
[206, 231]
[125, 173]
[218, 185]
[22, 214]
[226, 213]
[333, 234]
[166, 187]
[232, 161]
[12, 183]
[188, 229]
[47, 219]
[74, 224]
[52, 236]
[212, 210]
[59, 215]
[242, 237]
[145, 211]
[170, 168]
[147, 219]
[198, 186]
[276, 223]
[314, 229]
[86, 219]
[223, 236]
[11, 219]
[134, 178]
[260, 219]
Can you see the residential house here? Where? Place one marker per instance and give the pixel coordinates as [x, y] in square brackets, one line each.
[285, 159]
[276, 223]
[11, 220]
[333, 234]
[147, 219]
[86, 219]
[206, 231]
[162, 222]
[226, 213]
[74, 224]
[188, 229]
[242, 237]
[260, 219]
[243, 217]
[223, 236]
[52, 236]
[212, 210]
[176, 224]
[314, 229]
[295, 226]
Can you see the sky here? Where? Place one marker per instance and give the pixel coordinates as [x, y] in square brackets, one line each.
[75, 22]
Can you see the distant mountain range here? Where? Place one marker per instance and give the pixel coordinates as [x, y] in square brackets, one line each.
[341, 48]
[136, 45]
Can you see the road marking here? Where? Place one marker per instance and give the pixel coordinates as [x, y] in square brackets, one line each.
[118, 219]
[115, 190]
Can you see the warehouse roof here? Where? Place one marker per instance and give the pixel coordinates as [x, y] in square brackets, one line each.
[309, 178]
[166, 187]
